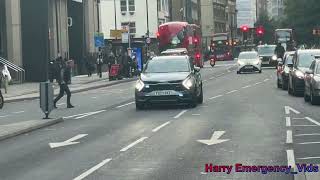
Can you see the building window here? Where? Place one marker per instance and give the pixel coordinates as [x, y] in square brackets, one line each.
[123, 5]
[132, 26]
[132, 6]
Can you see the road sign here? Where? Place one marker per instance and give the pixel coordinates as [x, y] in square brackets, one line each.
[99, 40]
[125, 37]
[117, 33]
[46, 98]
[148, 40]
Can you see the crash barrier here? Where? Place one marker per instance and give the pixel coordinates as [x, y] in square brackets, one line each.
[18, 72]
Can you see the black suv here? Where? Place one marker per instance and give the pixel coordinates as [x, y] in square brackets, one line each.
[169, 80]
[302, 60]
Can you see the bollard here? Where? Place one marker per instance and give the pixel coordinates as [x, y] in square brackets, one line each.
[46, 98]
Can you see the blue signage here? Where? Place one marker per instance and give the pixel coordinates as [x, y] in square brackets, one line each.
[99, 40]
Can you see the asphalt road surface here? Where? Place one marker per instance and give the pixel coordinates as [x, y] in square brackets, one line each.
[244, 119]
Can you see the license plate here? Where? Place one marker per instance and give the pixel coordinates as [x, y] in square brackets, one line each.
[265, 62]
[248, 67]
[163, 93]
[220, 56]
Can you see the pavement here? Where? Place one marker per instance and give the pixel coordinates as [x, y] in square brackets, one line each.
[243, 120]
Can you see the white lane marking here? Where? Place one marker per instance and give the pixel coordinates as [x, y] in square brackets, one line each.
[288, 121]
[180, 114]
[94, 97]
[126, 104]
[257, 83]
[221, 74]
[89, 114]
[246, 87]
[212, 78]
[195, 114]
[204, 80]
[298, 118]
[289, 137]
[314, 134]
[93, 169]
[304, 125]
[313, 121]
[4, 116]
[216, 96]
[68, 117]
[266, 80]
[233, 91]
[307, 158]
[161, 126]
[60, 104]
[67, 142]
[18, 112]
[310, 143]
[133, 144]
[288, 109]
[290, 158]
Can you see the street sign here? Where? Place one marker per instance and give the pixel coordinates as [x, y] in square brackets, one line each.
[316, 32]
[46, 98]
[125, 37]
[148, 40]
[117, 33]
[99, 40]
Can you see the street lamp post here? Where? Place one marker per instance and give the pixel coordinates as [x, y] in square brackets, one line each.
[115, 14]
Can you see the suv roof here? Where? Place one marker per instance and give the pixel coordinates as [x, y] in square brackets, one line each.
[170, 57]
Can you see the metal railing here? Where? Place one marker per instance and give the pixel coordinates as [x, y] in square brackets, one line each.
[19, 73]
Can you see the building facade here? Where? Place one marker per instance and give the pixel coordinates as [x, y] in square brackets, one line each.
[275, 9]
[261, 8]
[33, 32]
[186, 10]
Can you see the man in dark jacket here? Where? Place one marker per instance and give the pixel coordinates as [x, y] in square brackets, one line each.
[62, 80]
[279, 51]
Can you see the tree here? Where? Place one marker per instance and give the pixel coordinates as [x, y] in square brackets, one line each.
[268, 26]
[302, 16]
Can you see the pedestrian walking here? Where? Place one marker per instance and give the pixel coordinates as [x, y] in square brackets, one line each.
[99, 66]
[89, 66]
[62, 80]
[6, 78]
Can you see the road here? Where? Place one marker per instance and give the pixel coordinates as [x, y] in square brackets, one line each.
[104, 137]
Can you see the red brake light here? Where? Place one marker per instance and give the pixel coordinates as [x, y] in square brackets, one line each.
[198, 56]
[158, 34]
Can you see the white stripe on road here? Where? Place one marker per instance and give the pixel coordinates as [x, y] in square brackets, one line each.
[266, 80]
[126, 104]
[68, 117]
[204, 80]
[315, 134]
[133, 144]
[257, 83]
[313, 121]
[161, 126]
[61, 104]
[195, 114]
[18, 112]
[233, 91]
[307, 158]
[310, 143]
[212, 78]
[216, 96]
[288, 121]
[289, 137]
[89, 114]
[180, 114]
[304, 125]
[221, 74]
[4, 116]
[246, 87]
[93, 169]
[298, 118]
[290, 158]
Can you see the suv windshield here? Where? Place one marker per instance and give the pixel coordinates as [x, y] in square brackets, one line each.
[305, 59]
[167, 66]
[266, 50]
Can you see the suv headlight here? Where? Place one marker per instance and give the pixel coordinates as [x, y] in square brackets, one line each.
[299, 74]
[187, 83]
[241, 63]
[274, 57]
[139, 85]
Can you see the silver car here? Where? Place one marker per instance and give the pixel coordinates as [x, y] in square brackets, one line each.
[312, 83]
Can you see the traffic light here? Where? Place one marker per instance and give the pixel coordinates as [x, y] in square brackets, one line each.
[244, 28]
[260, 31]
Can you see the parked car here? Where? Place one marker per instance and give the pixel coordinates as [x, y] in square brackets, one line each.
[312, 83]
[283, 70]
[248, 61]
[302, 60]
[169, 80]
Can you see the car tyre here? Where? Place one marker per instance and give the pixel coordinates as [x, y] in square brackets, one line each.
[139, 106]
[238, 72]
[260, 71]
[200, 98]
[306, 97]
[313, 100]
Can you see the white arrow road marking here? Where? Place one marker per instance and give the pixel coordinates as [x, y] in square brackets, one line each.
[288, 109]
[289, 137]
[133, 144]
[233, 91]
[313, 121]
[288, 121]
[67, 142]
[93, 169]
[89, 114]
[214, 139]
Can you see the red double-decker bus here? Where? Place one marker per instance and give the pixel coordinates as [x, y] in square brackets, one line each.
[220, 46]
[173, 35]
